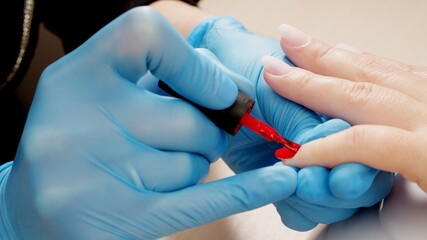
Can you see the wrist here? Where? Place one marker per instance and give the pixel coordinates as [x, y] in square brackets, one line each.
[6, 228]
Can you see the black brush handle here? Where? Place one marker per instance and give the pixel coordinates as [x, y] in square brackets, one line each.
[227, 119]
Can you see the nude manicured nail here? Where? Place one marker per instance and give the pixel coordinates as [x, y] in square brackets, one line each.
[293, 36]
[275, 66]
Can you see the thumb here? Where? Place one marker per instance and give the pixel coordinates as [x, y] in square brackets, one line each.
[246, 191]
[142, 40]
[381, 147]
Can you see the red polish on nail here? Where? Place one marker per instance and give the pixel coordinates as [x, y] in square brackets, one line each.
[284, 153]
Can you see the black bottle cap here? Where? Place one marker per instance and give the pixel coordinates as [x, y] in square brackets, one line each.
[227, 119]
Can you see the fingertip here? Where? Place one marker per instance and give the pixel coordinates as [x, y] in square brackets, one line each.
[218, 150]
[351, 180]
[293, 219]
[262, 186]
[292, 36]
[313, 184]
[227, 92]
[284, 180]
[275, 66]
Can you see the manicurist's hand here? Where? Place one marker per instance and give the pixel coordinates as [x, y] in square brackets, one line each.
[102, 158]
[385, 100]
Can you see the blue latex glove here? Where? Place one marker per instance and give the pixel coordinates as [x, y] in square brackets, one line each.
[102, 158]
[323, 195]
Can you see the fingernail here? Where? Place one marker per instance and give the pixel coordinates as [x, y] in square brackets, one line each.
[284, 153]
[275, 66]
[348, 48]
[293, 36]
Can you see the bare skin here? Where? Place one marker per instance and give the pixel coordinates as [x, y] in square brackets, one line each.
[384, 100]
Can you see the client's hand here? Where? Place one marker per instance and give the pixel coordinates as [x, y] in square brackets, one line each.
[385, 100]
[323, 195]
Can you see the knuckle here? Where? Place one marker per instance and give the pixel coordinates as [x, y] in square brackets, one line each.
[137, 14]
[358, 94]
[305, 79]
[40, 143]
[142, 23]
[355, 137]
[369, 69]
[364, 68]
[323, 53]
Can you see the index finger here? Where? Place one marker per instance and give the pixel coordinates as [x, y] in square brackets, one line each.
[320, 58]
[357, 103]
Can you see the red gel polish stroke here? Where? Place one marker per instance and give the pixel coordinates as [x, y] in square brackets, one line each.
[270, 134]
[284, 153]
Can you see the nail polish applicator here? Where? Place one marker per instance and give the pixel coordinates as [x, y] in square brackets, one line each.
[237, 115]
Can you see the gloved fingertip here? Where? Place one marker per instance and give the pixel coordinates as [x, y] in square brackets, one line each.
[292, 218]
[300, 226]
[351, 180]
[256, 188]
[284, 179]
[227, 91]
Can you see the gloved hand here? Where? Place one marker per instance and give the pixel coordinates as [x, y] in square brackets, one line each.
[323, 195]
[102, 158]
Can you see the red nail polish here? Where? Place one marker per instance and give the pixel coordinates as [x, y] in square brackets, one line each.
[284, 153]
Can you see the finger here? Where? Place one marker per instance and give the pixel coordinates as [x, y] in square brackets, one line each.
[314, 188]
[164, 123]
[242, 160]
[320, 58]
[357, 103]
[350, 180]
[292, 218]
[142, 40]
[403, 152]
[208, 202]
[378, 190]
[317, 185]
[242, 83]
[320, 214]
[145, 168]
